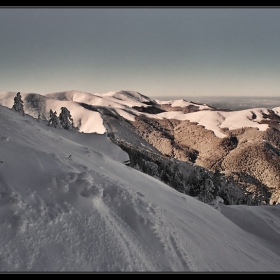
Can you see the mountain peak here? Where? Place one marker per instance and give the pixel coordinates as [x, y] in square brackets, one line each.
[125, 95]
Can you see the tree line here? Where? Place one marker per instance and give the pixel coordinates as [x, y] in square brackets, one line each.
[63, 121]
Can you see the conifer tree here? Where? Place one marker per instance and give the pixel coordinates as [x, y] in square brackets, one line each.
[18, 104]
[65, 119]
[54, 120]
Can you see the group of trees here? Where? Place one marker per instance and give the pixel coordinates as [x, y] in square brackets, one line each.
[64, 120]
[207, 186]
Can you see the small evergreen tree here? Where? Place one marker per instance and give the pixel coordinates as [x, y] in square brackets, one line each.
[54, 120]
[66, 119]
[18, 104]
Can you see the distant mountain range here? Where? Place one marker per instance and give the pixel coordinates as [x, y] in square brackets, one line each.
[230, 102]
[195, 148]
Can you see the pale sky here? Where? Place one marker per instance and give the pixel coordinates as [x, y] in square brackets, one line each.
[92, 213]
[152, 50]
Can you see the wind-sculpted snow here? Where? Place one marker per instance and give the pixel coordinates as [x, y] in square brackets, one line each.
[69, 203]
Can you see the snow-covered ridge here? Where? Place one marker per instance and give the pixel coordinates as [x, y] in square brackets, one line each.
[214, 120]
[127, 96]
[84, 108]
[183, 103]
[69, 203]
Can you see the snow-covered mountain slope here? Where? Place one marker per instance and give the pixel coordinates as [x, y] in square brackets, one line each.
[69, 203]
[244, 144]
[84, 108]
[215, 120]
[182, 103]
[128, 97]
[114, 98]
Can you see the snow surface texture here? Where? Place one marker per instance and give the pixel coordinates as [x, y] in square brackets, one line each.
[84, 108]
[69, 204]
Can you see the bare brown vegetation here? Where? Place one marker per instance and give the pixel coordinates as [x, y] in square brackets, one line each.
[249, 156]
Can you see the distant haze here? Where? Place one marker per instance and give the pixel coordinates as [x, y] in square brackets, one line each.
[230, 102]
